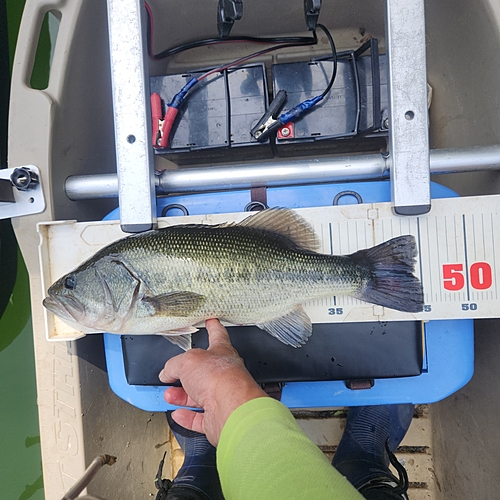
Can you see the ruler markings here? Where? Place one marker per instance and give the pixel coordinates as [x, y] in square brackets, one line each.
[434, 234]
[331, 253]
[419, 246]
[429, 255]
[348, 239]
[474, 238]
[446, 233]
[456, 238]
[482, 234]
[466, 258]
[482, 231]
[494, 255]
[331, 239]
[438, 255]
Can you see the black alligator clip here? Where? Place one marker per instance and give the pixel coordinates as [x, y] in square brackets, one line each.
[269, 123]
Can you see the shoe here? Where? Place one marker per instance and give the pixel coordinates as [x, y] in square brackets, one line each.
[371, 436]
[198, 478]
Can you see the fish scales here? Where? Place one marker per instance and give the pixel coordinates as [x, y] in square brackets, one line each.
[259, 271]
[241, 271]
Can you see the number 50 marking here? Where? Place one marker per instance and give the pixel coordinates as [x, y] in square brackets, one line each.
[480, 276]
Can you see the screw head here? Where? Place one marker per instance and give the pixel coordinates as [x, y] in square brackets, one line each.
[285, 131]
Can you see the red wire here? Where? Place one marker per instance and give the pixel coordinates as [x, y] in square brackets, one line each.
[151, 25]
[243, 59]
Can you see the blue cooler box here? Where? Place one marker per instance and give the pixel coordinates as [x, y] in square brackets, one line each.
[448, 345]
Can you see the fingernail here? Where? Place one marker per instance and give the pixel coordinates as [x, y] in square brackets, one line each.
[160, 375]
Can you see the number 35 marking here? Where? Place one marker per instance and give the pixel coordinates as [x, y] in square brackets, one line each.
[335, 310]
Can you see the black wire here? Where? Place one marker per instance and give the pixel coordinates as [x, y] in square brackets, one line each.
[334, 58]
[291, 41]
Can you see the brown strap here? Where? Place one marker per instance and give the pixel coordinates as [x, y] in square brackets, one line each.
[258, 196]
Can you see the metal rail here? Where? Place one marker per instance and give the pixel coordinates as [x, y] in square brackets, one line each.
[408, 123]
[130, 86]
[288, 173]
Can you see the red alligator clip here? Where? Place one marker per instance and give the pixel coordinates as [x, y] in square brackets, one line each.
[162, 125]
[156, 116]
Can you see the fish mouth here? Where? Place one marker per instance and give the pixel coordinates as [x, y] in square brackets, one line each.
[66, 307]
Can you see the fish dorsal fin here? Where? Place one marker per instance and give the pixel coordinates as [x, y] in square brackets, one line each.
[286, 223]
[292, 329]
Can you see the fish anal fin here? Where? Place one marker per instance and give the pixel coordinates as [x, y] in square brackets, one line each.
[179, 304]
[286, 223]
[292, 329]
[181, 337]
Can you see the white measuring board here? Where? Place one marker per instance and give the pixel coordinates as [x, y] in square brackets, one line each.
[458, 255]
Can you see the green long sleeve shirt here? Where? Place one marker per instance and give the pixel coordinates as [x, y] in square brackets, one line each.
[264, 455]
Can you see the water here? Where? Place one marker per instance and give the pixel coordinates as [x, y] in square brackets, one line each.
[20, 458]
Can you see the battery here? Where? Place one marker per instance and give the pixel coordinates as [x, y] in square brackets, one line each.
[351, 118]
[214, 123]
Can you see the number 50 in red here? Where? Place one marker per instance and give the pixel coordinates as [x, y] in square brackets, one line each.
[479, 274]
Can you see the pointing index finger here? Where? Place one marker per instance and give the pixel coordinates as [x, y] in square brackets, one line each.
[217, 334]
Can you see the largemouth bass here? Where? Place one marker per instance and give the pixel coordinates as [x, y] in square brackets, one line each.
[259, 271]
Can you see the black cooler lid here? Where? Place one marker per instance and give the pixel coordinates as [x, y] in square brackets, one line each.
[340, 351]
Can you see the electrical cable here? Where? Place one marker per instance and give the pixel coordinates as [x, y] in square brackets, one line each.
[162, 139]
[292, 41]
[334, 59]
[263, 130]
[269, 123]
[247, 58]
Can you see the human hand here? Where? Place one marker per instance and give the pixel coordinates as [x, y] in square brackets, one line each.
[215, 380]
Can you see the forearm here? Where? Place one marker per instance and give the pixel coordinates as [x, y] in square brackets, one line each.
[264, 454]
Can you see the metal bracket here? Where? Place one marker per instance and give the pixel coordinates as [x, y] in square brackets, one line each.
[228, 11]
[408, 120]
[132, 116]
[311, 10]
[25, 196]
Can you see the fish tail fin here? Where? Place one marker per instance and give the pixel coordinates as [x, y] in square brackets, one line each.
[391, 282]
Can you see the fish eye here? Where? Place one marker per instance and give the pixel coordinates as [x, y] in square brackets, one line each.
[70, 282]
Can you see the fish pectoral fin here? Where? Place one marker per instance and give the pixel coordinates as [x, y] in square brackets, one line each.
[182, 340]
[292, 329]
[179, 304]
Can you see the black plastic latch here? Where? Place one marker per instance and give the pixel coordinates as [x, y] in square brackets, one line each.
[311, 9]
[228, 11]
